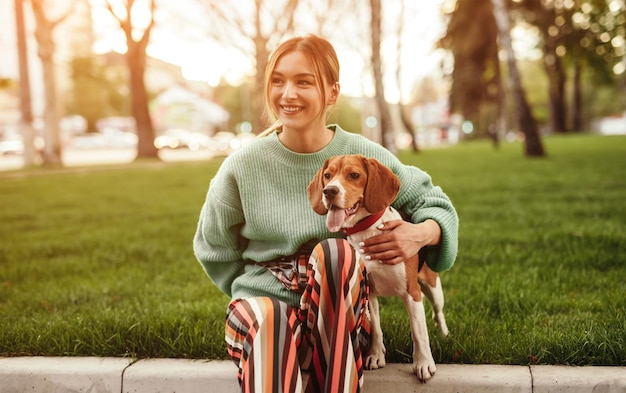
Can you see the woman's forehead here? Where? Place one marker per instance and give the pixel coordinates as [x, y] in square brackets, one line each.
[294, 63]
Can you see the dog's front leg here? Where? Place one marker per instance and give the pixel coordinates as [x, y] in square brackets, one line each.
[423, 362]
[376, 354]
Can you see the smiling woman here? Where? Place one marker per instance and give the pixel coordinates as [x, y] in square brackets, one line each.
[261, 242]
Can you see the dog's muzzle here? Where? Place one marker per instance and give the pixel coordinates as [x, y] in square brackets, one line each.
[330, 192]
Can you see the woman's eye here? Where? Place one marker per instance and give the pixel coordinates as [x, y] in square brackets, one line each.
[277, 81]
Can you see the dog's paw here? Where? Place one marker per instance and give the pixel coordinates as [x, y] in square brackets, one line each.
[375, 359]
[424, 369]
[374, 362]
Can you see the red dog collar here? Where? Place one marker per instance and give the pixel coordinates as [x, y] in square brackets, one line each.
[363, 224]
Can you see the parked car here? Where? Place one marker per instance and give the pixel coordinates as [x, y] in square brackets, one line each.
[222, 143]
[244, 138]
[198, 141]
[167, 141]
[177, 138]
[11, 145]
[109, 138]
[225, 142]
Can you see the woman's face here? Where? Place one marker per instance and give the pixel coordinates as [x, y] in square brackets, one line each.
[294, 93]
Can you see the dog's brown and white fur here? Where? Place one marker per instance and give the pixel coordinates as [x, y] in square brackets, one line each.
[352, 190]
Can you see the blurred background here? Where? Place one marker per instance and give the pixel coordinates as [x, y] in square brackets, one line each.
[101, 80]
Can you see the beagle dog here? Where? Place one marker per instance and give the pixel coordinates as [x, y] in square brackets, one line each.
[355, 194]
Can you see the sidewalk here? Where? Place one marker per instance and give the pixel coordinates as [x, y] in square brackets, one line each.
[73, 157]
[114, 375]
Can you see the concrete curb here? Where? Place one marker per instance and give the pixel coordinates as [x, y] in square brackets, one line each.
[114, 375]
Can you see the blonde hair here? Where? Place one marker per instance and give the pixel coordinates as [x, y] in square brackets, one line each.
[322, 57]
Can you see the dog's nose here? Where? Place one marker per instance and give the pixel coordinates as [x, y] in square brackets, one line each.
[331, 191]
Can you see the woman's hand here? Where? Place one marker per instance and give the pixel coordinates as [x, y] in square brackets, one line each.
[403, 241]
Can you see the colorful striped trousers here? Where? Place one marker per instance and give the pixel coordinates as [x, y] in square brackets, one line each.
[272, 342]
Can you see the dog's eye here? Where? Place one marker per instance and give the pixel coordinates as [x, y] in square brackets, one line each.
[327, 176]
[354, 175]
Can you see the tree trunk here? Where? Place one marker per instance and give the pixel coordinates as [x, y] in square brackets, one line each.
[525, 119]
[251, 28]
[554, 70]
[500, 126]
[386, 128]
[577, 115]
[556, 80]
[26, 119]
[284, 24]
[136, 60]
[136, 63]
[406, 123]
[408, 127]
[260, 44]
[52, 150]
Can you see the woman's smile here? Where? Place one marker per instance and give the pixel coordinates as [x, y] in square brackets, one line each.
[291, 109]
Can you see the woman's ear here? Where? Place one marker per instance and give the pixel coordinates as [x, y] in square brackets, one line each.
[334, 94]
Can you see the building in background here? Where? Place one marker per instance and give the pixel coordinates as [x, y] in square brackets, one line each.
[180, 107]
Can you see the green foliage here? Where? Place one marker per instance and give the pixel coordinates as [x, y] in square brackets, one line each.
[99, 261]
[88, 97]
[346, 114]
[7, 83]
[605, 101]
[535, 82]
[584, 36]
[96, 92]
[471, 37]
[237, 100]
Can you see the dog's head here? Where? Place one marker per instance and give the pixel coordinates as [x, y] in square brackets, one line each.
[351, 187]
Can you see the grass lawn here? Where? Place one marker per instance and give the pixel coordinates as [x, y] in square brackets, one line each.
[99, 262]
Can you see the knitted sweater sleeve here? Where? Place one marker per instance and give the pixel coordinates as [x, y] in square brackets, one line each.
[216, 244]
[420, 200]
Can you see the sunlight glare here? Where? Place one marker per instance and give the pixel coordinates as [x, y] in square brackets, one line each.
[118, 9]
[350, 60]
[202, 59]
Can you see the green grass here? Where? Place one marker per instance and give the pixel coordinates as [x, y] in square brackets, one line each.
[99, 262]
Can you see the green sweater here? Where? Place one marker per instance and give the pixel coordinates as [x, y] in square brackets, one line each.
[257, 209]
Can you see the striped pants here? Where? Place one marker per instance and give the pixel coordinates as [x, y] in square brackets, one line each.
[272, 342]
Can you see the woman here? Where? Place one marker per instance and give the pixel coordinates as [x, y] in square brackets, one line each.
[299, 291]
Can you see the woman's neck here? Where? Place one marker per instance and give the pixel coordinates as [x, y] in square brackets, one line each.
[306, 141]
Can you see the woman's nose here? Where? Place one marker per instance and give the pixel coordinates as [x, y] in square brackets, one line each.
[290, 90]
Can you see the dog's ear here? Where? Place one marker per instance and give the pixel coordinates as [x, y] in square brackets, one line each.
[382, 186]
[315, 190]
